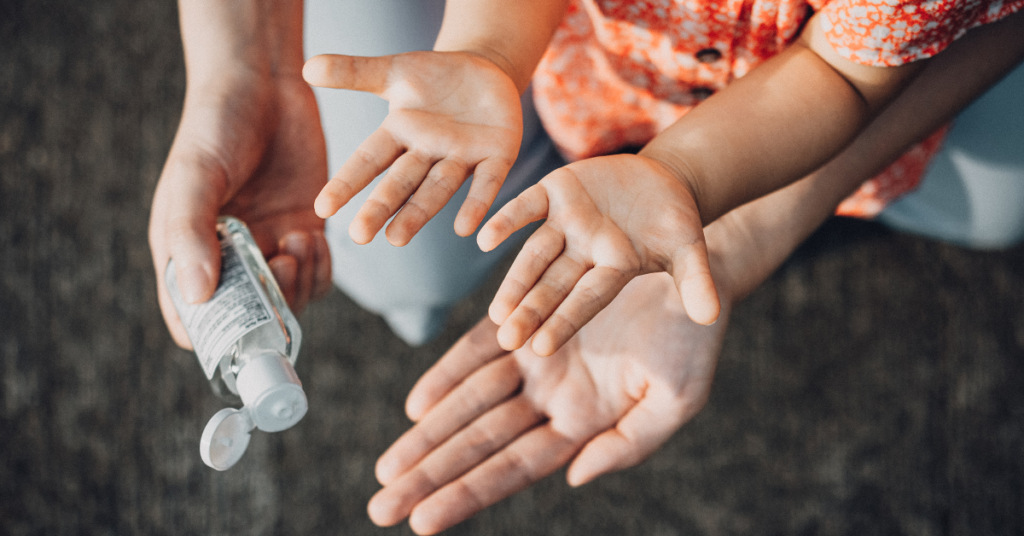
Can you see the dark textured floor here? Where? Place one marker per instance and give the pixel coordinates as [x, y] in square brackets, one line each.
[873, 386]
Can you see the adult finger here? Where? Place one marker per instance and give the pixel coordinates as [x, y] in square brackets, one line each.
[526, 460]
[482, 390]
[536, 255]
[472, 351]
[526, 208]
[183, 227]
[640, 432]
[322, 282]
[300, 246]
[470, 446]
[285, 269]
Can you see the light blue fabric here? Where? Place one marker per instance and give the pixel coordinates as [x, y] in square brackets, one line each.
[414, 286]
[973, 191]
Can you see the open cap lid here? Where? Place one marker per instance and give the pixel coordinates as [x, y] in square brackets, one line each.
[225, 438]
[273, 401]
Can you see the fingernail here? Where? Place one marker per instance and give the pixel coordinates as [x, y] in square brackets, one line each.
[194, 283]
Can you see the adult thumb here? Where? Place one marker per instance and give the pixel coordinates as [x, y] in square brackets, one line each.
[183, 227]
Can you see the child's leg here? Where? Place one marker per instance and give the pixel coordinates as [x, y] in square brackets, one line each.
[414, 286]
[973, 192]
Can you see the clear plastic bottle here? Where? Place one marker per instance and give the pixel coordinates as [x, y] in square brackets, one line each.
[247, 341]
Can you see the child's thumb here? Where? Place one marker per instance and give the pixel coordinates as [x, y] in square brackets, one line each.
[359, 73]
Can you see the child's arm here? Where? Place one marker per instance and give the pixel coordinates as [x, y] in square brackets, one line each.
[602, 228]
[778, 123]
[452, 112]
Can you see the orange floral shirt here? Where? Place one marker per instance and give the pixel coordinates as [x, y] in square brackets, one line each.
[618, 72]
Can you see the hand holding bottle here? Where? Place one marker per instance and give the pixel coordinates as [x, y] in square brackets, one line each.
[250, 145]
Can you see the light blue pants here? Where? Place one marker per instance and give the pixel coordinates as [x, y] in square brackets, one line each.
[972, 194]
[973, 191]
[413, 286]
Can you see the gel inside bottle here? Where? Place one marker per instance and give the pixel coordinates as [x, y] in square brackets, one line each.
[247, 341]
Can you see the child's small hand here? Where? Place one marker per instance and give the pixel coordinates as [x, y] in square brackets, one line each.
[609, 219]
[452, 114]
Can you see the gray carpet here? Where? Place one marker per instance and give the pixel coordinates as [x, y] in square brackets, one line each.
[872, 386]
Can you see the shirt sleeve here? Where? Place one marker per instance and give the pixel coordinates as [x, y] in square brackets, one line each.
[888, 33]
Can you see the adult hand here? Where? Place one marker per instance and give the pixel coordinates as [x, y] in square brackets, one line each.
[251, 146]
[451, 114]
[489, 423]
[608, 219]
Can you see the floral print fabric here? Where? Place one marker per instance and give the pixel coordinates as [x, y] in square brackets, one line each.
[620, 71]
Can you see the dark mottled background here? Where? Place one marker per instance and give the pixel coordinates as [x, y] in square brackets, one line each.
[872, 386]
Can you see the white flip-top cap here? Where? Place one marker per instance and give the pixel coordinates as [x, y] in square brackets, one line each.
[225, 438]
[272, 392]
[273, 401]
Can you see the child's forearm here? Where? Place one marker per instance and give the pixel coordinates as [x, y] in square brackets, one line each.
[511, 33]
[749, 243]
[222, 36]
[775, 125]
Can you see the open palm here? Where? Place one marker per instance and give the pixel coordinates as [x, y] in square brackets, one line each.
[607, 220]
[450, 114]
[490, 422]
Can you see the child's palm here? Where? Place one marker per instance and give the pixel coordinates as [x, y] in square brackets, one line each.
[609, 219]
[450, 115]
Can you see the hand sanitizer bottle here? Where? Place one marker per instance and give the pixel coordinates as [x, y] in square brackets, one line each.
[247, 341]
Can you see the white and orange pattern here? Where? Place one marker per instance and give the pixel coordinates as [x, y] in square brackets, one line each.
[620, 71]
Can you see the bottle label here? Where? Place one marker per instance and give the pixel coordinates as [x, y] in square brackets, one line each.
[236, 308]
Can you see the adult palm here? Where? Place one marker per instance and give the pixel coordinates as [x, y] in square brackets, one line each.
[491, 422]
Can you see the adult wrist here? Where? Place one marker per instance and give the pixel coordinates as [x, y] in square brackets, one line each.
[263, 37]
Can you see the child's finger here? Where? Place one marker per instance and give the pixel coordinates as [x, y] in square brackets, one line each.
[370, 159]
[526, 208]
[358, 73]
[537, 254]
[389, 195]
[441, 183]
[692, 275]
[594, 291]
[488, 177]
[540, 302]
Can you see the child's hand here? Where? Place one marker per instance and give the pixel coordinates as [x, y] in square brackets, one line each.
[609, 219]
[490, 423]
[452, 114]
